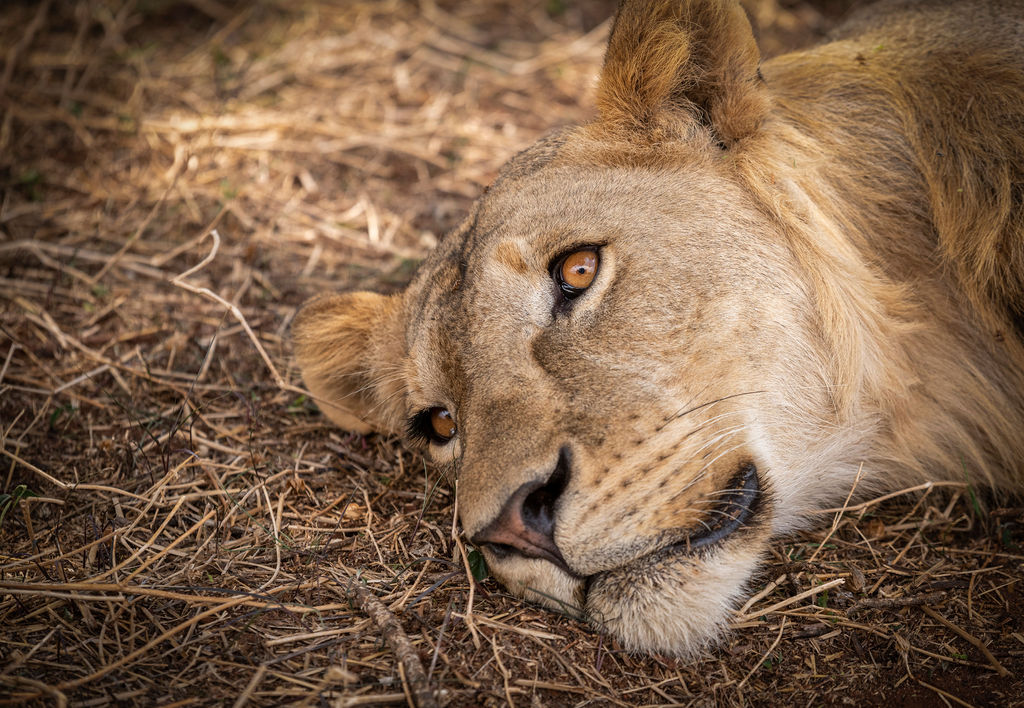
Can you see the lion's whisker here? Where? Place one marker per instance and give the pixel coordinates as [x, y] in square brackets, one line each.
[716, 401]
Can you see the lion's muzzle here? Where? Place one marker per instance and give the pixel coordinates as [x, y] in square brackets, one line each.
[525, 526]
[526, 523]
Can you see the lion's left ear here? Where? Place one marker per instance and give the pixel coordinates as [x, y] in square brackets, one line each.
[697, 56]
[350, 349]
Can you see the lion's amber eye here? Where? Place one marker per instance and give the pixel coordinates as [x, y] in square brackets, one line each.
[577, 271]
[442, 424]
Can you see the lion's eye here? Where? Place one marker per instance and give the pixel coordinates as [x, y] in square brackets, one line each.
[442, 424]
[575, 271]
[435, 425]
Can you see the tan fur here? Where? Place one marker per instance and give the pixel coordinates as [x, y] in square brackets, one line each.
[342, 342]
[813, 266]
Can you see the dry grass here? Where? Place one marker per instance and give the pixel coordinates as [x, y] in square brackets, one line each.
[182, 528]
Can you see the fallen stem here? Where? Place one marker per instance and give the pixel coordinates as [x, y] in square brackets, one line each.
[397, 639]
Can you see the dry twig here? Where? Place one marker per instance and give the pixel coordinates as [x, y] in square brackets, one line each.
[397, 639]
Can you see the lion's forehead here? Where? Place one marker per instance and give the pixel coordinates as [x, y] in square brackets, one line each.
[475, 295]
[461, 319]
[518, 221]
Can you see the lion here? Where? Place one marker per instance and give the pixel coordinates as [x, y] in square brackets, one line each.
[745, 290]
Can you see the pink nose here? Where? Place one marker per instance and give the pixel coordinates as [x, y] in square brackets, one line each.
[526, 524]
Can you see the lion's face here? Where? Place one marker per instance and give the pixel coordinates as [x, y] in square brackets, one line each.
[614, 448]
[618, 358]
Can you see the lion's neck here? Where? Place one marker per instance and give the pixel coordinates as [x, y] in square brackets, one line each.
[924, 362]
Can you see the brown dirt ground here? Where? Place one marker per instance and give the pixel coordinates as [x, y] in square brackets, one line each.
[179, 526]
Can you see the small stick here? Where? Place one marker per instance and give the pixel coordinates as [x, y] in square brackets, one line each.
[180, 281]
[891, 602]
[1000, 669]
[139, 231]
[60, 699]
[885, 497]
[504, 671]
[782, 626]
[79, 597]
[65, 485]
[790, 600]
[7, 361]
[945, 694]
[249, 599]
[440, 638]
[75, 381]
[177, 540]
[839, 515]
[27, 35]
[813, 630]
[127, 659]
[397, 639]
[761, 595]
[253, 683]
[468, 616]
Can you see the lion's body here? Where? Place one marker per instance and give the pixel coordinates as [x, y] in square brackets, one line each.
[910, 128]
[906, 198]
[811, 279]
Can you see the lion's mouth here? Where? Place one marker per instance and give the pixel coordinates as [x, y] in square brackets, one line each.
[733, 508]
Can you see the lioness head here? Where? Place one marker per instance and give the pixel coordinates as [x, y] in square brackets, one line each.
[621, 354]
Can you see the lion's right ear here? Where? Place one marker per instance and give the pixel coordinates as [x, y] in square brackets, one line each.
[350, 350]
[696, 55]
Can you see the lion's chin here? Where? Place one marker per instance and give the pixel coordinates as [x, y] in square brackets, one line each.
[675, 604]
[540, 581]
[671, 602]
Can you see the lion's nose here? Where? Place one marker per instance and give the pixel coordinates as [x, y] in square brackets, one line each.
[526, 524]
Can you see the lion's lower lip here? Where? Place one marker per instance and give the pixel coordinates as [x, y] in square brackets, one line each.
[733, 508]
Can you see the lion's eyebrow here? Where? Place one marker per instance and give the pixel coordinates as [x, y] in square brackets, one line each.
[509, 255]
